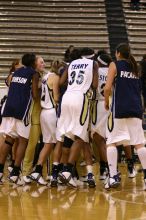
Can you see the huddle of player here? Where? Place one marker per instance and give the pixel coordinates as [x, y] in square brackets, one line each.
[89, 98]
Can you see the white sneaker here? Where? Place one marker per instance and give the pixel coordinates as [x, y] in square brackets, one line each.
[112, 182]
[132, 173]
[38, 178]
[17, 180]
[27, 179]
[66, 178]
[1, 179]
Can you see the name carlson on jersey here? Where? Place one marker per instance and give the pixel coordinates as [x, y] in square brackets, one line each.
[19, 80]
[125, 74]
[79, 66]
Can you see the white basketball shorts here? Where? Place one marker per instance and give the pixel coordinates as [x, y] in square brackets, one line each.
[126, 131]
[14, 128]
[74, 118]
[48, 122]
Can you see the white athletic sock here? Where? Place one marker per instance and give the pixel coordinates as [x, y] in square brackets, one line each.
[112, 160]
[142, 156]
[55, 163]
[89, 168]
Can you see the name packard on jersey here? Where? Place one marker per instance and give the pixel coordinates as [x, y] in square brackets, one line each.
[125, 74]
[19, 80]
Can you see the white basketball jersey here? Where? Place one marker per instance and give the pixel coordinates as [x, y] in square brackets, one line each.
[47, 101]
[80, 75]
[102, 77]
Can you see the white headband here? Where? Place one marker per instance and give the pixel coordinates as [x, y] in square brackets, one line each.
[101, 61]
[88, 56]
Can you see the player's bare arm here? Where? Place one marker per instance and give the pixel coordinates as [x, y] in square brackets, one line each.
[110, 79]
[56, 91]
[64, 77]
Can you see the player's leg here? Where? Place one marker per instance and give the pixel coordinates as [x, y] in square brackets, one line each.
[56, 163]
[112, 156]
[20, 153]
[37, 175]
[138, 139]
[34, 136]
[130, 162]
[14, 149]
[117, 133]
[65, 155]
[4, 151]
[89, 165]
[62, 123]
[67, 175]
[141, 151]
[101, 146]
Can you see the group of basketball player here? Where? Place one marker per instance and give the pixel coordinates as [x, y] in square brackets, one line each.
[88, 99]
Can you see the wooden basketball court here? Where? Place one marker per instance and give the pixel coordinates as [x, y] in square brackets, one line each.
[32, 202]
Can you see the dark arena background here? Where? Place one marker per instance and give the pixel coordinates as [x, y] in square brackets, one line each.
[48, 28]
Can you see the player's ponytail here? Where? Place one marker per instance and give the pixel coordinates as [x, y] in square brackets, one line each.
[125, 53]
[133, 65]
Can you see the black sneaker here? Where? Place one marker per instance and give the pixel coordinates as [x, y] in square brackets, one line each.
[15, 177]
[112, 182]
[53, 181]
[103, 170]
[91, 180]
[54, 176]
[131, 170]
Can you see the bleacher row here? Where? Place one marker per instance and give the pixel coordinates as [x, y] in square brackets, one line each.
[48, 27]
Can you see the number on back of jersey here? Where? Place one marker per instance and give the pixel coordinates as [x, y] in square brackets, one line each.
[76, 77]
[102, 89]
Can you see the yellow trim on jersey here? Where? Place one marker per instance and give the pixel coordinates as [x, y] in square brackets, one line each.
[50, 91]
[52, 99]
[94, 111]
[84, 112]
[110, 122]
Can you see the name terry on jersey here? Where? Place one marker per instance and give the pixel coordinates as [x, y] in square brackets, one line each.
[125, 74]
[79, 66]
[19, 80]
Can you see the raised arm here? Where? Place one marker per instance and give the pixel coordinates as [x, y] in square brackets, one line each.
[64, 77]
